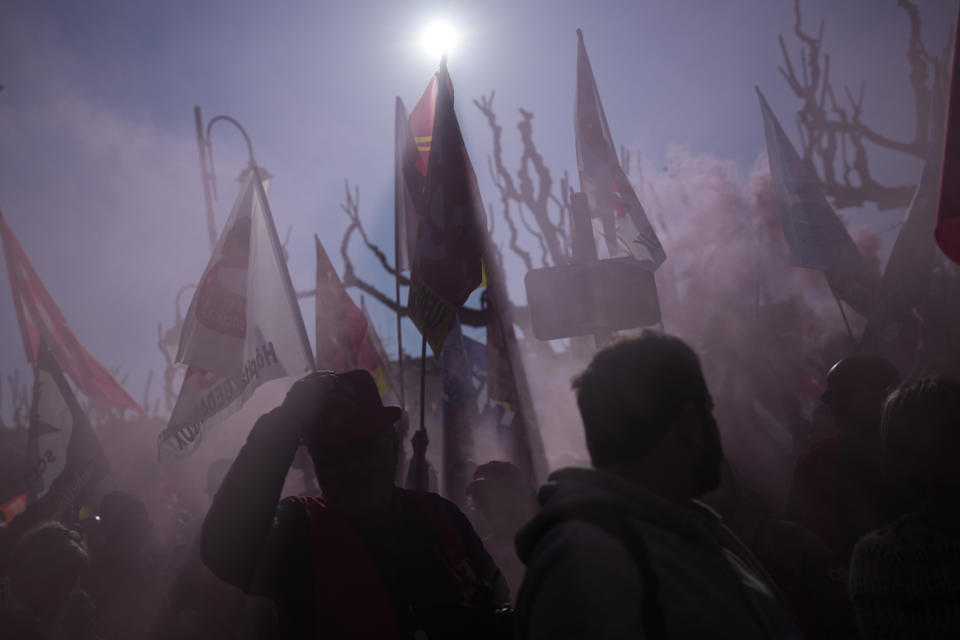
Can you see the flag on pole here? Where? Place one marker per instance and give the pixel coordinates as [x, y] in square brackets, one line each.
[601, 177]
[908, 275]
[509, 399]
[412, 147]
[447, 263]
[40, 318]
[815, 235]
[64, 458]
[346, 338]
[462, 366]
[948, 212]
[243, 327]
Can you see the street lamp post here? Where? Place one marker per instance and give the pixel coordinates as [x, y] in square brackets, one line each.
[207, 174]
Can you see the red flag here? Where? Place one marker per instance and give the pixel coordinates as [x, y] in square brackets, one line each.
[412, 149]
[346, 339]
[421, 123]
[447, 263]
[948, 213]
[39, 317]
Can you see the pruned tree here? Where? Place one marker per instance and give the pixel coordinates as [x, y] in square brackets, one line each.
[833, 135]
[531, 194]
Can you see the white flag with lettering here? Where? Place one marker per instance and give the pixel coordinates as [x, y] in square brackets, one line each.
[243, 327]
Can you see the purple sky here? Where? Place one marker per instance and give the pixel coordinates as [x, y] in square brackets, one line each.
[98, 162]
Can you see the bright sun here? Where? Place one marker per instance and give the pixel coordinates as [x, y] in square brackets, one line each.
[439, 37]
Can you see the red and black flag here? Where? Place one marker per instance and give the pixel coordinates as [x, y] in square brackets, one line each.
[40, 318]
[413, 136]
[447, 264]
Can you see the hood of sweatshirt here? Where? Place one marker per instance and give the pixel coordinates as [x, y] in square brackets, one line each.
[571, 493]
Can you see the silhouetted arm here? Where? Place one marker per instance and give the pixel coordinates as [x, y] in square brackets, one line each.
[242, 540]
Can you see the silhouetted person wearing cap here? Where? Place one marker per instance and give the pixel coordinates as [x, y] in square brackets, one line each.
[504, 501]
[366, 560]
[623, 550]
[905, 576]
[838, 489]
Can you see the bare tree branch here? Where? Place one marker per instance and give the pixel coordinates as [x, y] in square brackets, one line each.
[533, 190]
[831, 134]
[351, 206]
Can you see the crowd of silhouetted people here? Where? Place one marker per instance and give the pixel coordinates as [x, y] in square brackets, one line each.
[659, 537]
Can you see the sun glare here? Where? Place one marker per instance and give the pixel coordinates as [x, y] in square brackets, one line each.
[438, 38]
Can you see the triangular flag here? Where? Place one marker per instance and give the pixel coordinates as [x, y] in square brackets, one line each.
[40, 318]
[907, 277]
[243, 327]
[346, 339]
[447, 263]
[64, 458]
[601, 177]
[815, 235]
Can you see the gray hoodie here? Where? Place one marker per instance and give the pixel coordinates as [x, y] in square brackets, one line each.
[583, 580]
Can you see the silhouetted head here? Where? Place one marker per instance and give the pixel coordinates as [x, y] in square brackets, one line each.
[504, 497]
[921, 434]
[644, 401]
[47, 562]
[856, 389]
[123, 524]
[355, 449]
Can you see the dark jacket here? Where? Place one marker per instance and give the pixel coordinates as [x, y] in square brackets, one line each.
[266, 548]
[583, 579]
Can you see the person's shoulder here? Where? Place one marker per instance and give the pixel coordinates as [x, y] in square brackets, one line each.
[426, 501]
[580, 543]
[905, 557]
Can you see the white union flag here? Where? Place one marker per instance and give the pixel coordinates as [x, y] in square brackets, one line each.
[243, 327]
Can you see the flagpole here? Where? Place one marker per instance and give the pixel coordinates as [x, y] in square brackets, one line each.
[418, 463]
[397, 195]
[206, 178]
[843, 314]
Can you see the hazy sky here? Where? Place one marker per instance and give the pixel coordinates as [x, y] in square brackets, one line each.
[99, 175]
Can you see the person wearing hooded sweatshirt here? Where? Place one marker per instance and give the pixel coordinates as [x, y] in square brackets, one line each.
[624, 550]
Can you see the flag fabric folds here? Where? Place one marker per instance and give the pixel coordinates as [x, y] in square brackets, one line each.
[510, 402]
[64, 459]
[815, 235]
[947, 230]
[601, 177]
[906, 280]
[346, 338]
[413, 137]
[40, 319]
[243, 327]
[463, 366]
[446, 266]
